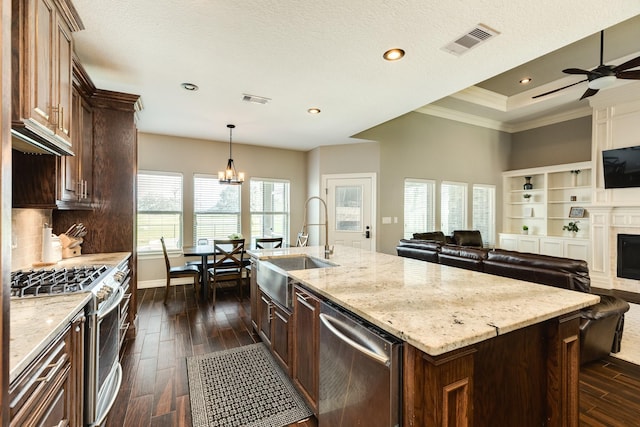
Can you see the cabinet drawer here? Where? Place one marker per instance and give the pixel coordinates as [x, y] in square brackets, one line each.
[39, 380]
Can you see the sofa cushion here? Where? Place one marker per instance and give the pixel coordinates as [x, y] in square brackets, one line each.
[567, 273]
[462, 257]
[425, 250]
[467, 238]
[437, 236]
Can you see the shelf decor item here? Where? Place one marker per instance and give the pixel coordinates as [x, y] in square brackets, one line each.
[525, 229]
[572, 227]
[527, 185]
[526, 196]
[574, 177]
[576, 212]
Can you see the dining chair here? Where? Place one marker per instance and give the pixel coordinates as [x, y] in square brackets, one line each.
[176, 272]
[264, 243]
[228, 263]
[203, 241]
[268, 242]
[302, 239]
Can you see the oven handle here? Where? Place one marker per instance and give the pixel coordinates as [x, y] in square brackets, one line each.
[326, 320]
[116, 300]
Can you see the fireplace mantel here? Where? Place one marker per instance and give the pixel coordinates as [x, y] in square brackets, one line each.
[616, 114]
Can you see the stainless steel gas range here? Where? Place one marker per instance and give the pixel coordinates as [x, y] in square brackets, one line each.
[106, 327]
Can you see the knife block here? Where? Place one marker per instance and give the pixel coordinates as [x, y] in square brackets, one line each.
[70, 246]
[71, 252]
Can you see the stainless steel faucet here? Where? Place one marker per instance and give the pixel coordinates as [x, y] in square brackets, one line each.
[327, 251]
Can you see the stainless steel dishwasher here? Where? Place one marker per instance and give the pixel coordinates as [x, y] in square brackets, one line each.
[359, 372]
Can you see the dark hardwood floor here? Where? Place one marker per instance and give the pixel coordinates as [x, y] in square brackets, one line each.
[155, 388]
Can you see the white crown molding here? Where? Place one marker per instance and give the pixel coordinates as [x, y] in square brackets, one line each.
[486, 98]
[552, 119]
[447, 113]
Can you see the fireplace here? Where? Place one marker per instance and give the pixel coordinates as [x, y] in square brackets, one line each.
[629, 256]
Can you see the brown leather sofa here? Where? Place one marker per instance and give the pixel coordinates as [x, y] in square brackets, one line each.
[601, 325]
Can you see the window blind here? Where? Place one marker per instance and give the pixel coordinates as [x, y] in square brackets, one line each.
[419, 206]
[159, 210]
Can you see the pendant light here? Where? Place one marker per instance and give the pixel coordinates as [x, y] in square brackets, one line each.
[229, 175]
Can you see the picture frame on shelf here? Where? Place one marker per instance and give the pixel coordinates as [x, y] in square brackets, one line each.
[576, 212]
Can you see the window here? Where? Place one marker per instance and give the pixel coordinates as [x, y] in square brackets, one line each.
[159, 211]
[419, 206]
[216, 208]
[453, 207]
[269, 209]
[484, 216]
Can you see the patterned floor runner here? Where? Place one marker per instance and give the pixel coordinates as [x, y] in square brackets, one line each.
[243, 386]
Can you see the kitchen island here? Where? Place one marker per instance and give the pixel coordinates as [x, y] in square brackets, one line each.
[479, 349]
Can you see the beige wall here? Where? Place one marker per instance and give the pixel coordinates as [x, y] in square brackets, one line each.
[337, 159]
[556, 144]
[191, 156]
[411, 146]
[421, 146]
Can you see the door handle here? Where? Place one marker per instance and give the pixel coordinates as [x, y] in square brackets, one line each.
[367, 232]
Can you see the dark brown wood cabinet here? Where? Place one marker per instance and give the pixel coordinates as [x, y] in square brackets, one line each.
[280, 335]
[42, 61]
[253, 292]
[274, 328]
[305, 337]
[264, 317]
[50, 390]
[76, 172]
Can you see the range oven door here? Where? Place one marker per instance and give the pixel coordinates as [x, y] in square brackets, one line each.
[104, 370]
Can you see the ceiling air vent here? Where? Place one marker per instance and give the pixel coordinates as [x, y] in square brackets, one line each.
[255, 99]
[471, 39]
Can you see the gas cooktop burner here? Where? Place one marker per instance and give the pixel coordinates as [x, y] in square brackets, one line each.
[56, 281]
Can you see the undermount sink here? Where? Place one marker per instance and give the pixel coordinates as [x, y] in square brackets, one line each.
[272, 275]
[302, 262]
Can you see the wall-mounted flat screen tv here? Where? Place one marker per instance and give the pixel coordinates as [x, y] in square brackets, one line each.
[621, 167]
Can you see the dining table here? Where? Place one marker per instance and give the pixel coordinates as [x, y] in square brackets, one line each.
[204, 252]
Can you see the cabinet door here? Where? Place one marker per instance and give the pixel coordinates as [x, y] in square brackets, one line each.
[40, 29]
[255, 295]
[576, 249]
[69, 184]
[280, 336]
[551, 247]
[306, 327]
[264, 319]
[529, 244]
[509, 242]
[62, 79]
[86, 162]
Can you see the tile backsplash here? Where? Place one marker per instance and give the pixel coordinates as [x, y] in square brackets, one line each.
[26, 236]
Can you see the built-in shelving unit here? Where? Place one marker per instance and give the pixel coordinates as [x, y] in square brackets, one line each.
[554, 191]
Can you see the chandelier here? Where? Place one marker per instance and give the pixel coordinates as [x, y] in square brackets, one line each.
[230, 175]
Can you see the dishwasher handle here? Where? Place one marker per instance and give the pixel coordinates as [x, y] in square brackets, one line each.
[383, 359]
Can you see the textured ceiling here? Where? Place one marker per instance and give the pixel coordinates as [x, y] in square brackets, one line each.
[311, 54]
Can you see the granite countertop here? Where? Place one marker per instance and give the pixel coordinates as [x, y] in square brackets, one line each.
[435, 308]
[35, 321]
[111, 259]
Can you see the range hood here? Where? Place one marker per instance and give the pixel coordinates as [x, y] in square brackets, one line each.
[25, 141]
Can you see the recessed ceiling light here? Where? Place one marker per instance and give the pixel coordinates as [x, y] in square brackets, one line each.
[190, 87]
[393, 54]
[313, 111]
[525, 80]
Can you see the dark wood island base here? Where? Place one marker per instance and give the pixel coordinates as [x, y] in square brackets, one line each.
[527, 377]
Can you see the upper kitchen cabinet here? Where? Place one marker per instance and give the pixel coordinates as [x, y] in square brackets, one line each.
[76, 172]
[42, 51]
